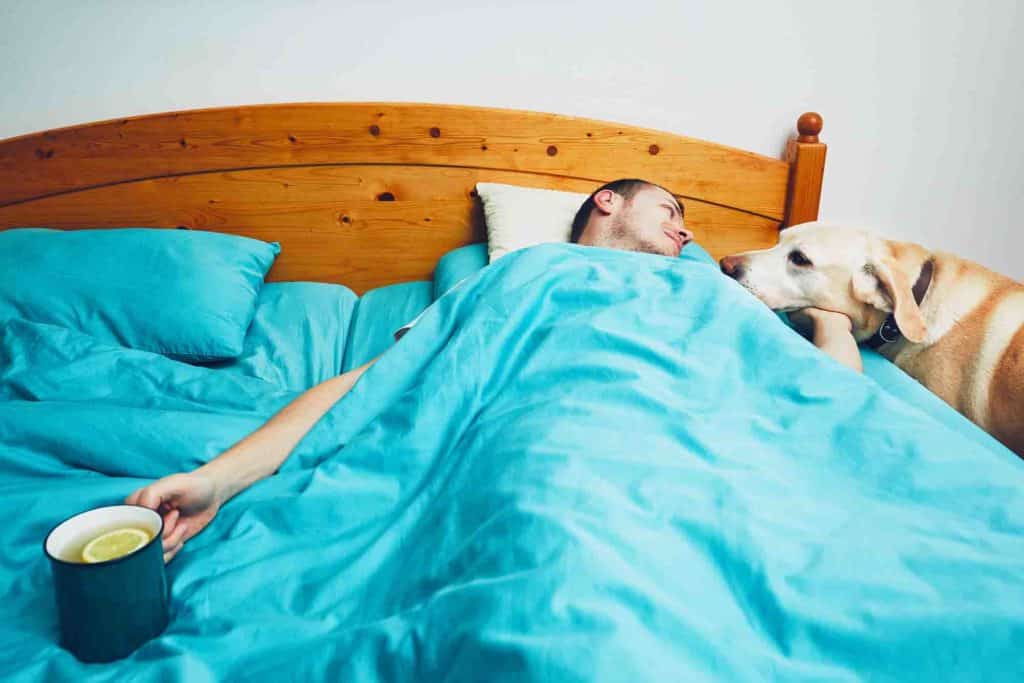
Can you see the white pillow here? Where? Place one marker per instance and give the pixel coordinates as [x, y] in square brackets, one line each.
[519, 217]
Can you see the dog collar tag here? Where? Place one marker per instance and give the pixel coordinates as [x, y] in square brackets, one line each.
[889, 331]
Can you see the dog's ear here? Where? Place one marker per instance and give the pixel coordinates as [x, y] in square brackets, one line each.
[885, 284]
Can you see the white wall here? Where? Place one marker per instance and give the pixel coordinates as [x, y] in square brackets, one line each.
[922, 101]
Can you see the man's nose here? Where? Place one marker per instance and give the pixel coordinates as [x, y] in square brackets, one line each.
[686, 234]
[732, 266]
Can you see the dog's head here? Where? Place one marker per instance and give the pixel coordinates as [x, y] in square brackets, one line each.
[838, 269]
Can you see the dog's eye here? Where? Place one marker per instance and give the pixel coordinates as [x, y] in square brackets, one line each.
[798, 258]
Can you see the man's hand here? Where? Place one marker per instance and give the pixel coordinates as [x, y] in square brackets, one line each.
[812, 322]
[831, 332]
[187, 502]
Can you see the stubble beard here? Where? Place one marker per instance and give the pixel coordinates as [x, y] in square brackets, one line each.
[621, 237]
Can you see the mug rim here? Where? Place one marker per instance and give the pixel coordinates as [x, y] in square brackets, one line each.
[105, 563]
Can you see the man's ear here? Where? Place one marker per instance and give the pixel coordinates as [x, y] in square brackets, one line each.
[884, 284]
[606, 201]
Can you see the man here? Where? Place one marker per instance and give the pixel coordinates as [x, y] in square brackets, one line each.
[628, 214]
[632, 215]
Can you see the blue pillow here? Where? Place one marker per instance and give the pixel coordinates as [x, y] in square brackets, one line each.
[185, 294]
[298, 335]
[457, 265]
[379, 313]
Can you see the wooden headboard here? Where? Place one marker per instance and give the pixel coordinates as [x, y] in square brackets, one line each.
[370, 194]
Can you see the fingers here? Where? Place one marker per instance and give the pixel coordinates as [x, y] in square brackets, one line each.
[175, 538]
[147, 496]
[825, 318]
[170, 520]
[150, 497]
[133, 497]
[164, 496]
[169, 555]
[175, 542]
[159, 495]
[840, 321]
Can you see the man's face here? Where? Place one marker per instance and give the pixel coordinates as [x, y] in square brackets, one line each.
[651, 221]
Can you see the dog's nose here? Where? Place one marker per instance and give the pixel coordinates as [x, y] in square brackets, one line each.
[732, 266]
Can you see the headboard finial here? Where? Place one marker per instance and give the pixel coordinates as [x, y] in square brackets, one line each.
[809, 125]
[806, 157]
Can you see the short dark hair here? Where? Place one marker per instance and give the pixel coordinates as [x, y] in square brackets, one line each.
[625, 187]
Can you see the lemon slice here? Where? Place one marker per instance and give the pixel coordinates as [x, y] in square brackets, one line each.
[114, 544]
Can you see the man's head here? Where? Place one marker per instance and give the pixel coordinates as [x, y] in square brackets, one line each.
[634, 215]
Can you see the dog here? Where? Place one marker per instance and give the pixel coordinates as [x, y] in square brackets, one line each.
[951, 324]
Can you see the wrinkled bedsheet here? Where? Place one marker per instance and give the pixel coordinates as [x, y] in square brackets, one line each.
[582, 464]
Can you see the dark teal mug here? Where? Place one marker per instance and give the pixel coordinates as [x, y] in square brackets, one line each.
[108, 609]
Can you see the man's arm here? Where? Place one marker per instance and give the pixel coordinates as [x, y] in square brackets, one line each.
[261, 453]
[189, 500]
[832, 333]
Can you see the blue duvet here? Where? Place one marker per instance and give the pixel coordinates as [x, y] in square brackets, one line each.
[580, 465]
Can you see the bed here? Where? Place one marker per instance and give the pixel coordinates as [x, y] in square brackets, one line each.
[578, 465]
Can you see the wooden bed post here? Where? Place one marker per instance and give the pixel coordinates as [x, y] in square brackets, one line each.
[806, 158]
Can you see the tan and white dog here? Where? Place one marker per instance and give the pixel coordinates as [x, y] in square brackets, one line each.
[954, 326]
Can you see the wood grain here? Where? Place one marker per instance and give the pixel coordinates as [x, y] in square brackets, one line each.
[371, 194]
[179, 143]
[331, 222]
